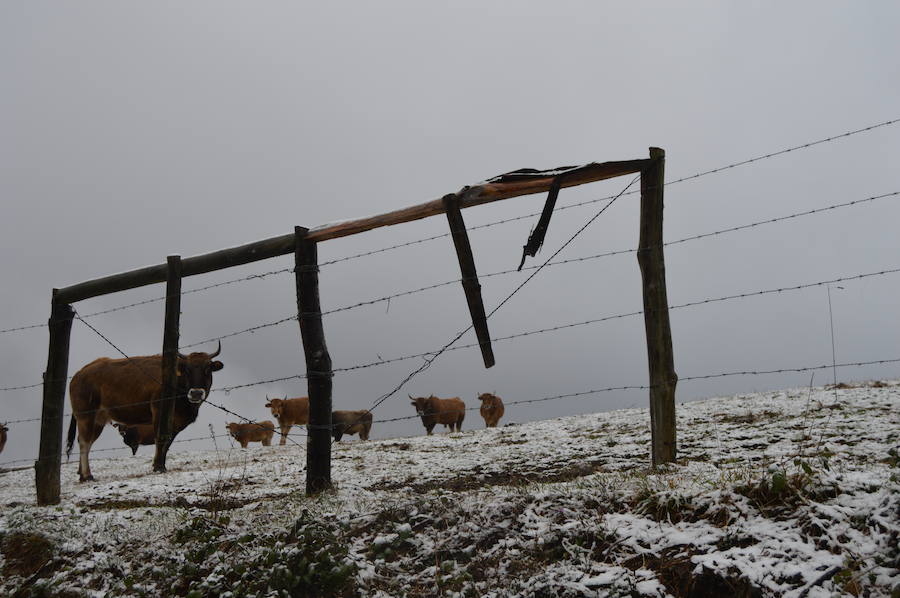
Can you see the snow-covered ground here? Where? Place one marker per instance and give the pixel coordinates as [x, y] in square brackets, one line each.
[793, 493]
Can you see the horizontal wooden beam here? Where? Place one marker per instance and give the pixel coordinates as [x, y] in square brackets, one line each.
[476, 196]
[282, 245]
[200, 264]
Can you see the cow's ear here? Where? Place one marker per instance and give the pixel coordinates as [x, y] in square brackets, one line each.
[269, 405]
[217, 365]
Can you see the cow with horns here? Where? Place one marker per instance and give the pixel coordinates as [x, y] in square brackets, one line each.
[128, 391]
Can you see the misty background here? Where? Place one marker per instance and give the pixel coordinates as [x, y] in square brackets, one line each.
[129, 132]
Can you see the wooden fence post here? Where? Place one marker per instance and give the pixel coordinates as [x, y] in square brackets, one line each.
[165, 409]
[50, 453]
[660, 358]
[318, 364]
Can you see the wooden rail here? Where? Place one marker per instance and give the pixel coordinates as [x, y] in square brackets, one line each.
[284, 244]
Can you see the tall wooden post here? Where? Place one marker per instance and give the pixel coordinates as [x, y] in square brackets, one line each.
[660, 358]
[318, 364]
[165, 409]
[50, 453]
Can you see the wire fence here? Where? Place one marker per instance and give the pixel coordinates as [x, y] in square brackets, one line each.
[430, 356]
[556, 397]
[262, 275]
[387, 298]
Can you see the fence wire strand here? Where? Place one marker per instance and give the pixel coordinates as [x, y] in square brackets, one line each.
[490, 224]
[583, 393]
[388, 298]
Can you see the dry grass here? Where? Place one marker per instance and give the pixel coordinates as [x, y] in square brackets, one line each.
[25, 553]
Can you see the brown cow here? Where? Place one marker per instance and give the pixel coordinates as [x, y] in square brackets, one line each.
[128, 391]
[136, 435]
[351, 422]
[491, 409]
[3, 431]
[289, 412]
[252, 432]
[433, 411]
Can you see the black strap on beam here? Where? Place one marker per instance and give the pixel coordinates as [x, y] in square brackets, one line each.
[536, 238]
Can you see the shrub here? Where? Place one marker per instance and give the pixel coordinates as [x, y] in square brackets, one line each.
[307, 561]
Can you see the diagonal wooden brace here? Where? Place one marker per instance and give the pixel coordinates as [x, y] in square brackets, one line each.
[469, 276]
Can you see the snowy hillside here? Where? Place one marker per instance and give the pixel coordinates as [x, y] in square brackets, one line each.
[792, 493]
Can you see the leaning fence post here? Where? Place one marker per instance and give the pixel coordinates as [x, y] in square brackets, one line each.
[660, 358]
[47, 467]
[470, 283]
[318, 364]
[165, 409]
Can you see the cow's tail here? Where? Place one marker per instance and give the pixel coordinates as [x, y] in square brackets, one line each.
[71, 439]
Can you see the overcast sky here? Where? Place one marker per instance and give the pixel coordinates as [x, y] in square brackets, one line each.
[129, 132]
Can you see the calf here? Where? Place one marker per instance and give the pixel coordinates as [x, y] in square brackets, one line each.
[289, 412]
[136, 435]
[3, 431]
[252, 432]
[491, 409]
[351, 422]
[433, 411]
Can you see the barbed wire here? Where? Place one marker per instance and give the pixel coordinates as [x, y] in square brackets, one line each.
[27, 386]
[617, 316]
[756, 372]
[428, 361]
[256, 276]
[206, 400]
[430, 354]
[486, 225]
[600, 199]
[649, 386]
[388, 298]
[113, 448]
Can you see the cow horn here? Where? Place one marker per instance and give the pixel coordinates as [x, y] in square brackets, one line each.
[216, 354]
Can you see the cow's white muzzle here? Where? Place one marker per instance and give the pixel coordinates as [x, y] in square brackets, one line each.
[196, 395]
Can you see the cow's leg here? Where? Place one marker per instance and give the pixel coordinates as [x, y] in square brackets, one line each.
[244, 444]
[159, 458]
[89, 429]
[429, 429]
[364, 433]
[285, 428]
[267, 441]
[162, 447]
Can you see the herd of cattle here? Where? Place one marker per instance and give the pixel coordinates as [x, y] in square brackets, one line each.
[126, 393]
